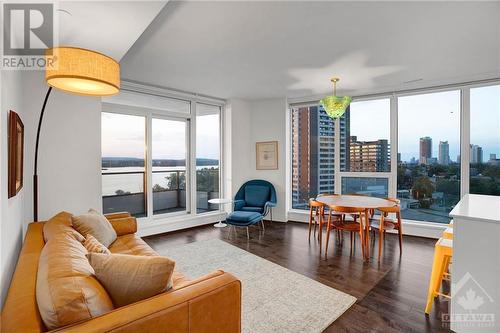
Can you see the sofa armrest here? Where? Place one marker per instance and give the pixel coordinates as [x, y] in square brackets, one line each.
[118, 215]
[210, 304]
[124, 225]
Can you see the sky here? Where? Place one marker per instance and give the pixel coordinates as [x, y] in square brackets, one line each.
[124, 136]
[436, 115]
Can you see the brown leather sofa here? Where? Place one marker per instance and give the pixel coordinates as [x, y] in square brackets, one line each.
[211, 303]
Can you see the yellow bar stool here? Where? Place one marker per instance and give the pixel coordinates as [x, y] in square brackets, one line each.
[443, 252]
[448, 233]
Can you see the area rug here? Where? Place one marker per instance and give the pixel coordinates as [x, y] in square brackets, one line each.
[274, 299]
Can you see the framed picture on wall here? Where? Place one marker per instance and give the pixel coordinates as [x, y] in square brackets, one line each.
[16, 154]
[267, 155]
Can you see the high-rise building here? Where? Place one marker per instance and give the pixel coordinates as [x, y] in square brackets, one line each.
[369, 156]
[444, 153]
[313, 152]
[476, 154]
[425, 149]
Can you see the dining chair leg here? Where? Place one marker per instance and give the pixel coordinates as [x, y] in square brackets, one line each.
[367, 220]
[400, 232]
[351, 239]
[380, 241]
[328, 229]
[310, 222]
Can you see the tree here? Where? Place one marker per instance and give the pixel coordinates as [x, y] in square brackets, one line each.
[122, 192]
[422, 191]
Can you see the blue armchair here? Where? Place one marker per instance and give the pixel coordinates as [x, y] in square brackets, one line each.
[258, 196]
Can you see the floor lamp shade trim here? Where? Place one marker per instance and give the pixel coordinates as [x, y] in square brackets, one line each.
[82, 71]
[79, 71]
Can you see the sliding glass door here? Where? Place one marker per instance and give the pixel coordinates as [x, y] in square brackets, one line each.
[207, 156]
[169, 164]
[161, 156]
[123, 140]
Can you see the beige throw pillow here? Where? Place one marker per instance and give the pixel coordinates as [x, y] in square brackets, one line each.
[97, 225]
[131, 278]
[93, 245]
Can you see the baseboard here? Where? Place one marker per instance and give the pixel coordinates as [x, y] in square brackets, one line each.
[154, 227]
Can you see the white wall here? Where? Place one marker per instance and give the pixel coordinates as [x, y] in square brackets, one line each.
[11, 210]
[251, 122]
[68, 162]
[69, 157]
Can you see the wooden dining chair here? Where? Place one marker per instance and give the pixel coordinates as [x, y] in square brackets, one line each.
[316, 214]
[351, 226]
[384, 223]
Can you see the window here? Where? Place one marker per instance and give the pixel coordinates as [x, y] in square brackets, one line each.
[368, 131]
[485, 140]
[169, 161]
[313, 154]
[160, 156]
[123, 140]
[375, 187]
[207, 156]
[426, 171]
[428, 175]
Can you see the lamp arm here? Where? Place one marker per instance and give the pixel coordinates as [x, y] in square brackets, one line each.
[35, 172]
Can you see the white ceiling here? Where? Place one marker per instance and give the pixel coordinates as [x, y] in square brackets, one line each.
[110, 27]
[273, 49]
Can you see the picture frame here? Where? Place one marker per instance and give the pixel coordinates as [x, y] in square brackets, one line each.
[15, 154]
[266, 155]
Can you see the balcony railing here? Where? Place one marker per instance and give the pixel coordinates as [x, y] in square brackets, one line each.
[169, 192]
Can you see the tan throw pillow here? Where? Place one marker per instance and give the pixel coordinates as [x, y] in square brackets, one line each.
[60, 224]
[67, 290]
[130, 278]
[97, 225]
[93, 245]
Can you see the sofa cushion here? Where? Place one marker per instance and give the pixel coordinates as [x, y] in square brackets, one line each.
[66, 289]
[131, 278]
[93, 245]
[252, 209]
[131, 244]
[256, 195]
[97, 225]
[60, 224]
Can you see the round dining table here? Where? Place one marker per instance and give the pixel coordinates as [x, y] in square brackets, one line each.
[357, 201]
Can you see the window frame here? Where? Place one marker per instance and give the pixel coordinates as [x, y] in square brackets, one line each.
[190, 119]
[465, 121]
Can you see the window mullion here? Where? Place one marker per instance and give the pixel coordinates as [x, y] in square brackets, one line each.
[464, 141]
[393, 180]
[149, 166]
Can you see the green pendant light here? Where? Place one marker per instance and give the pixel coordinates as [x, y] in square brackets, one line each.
[335, 106]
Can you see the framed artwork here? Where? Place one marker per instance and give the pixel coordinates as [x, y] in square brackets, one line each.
[267, 155]
[16, 154]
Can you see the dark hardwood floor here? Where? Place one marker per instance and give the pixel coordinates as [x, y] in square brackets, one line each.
[390, 295]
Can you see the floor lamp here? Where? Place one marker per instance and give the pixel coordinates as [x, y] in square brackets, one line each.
[79, 71]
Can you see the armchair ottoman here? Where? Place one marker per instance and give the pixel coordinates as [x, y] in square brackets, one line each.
[245, 219]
